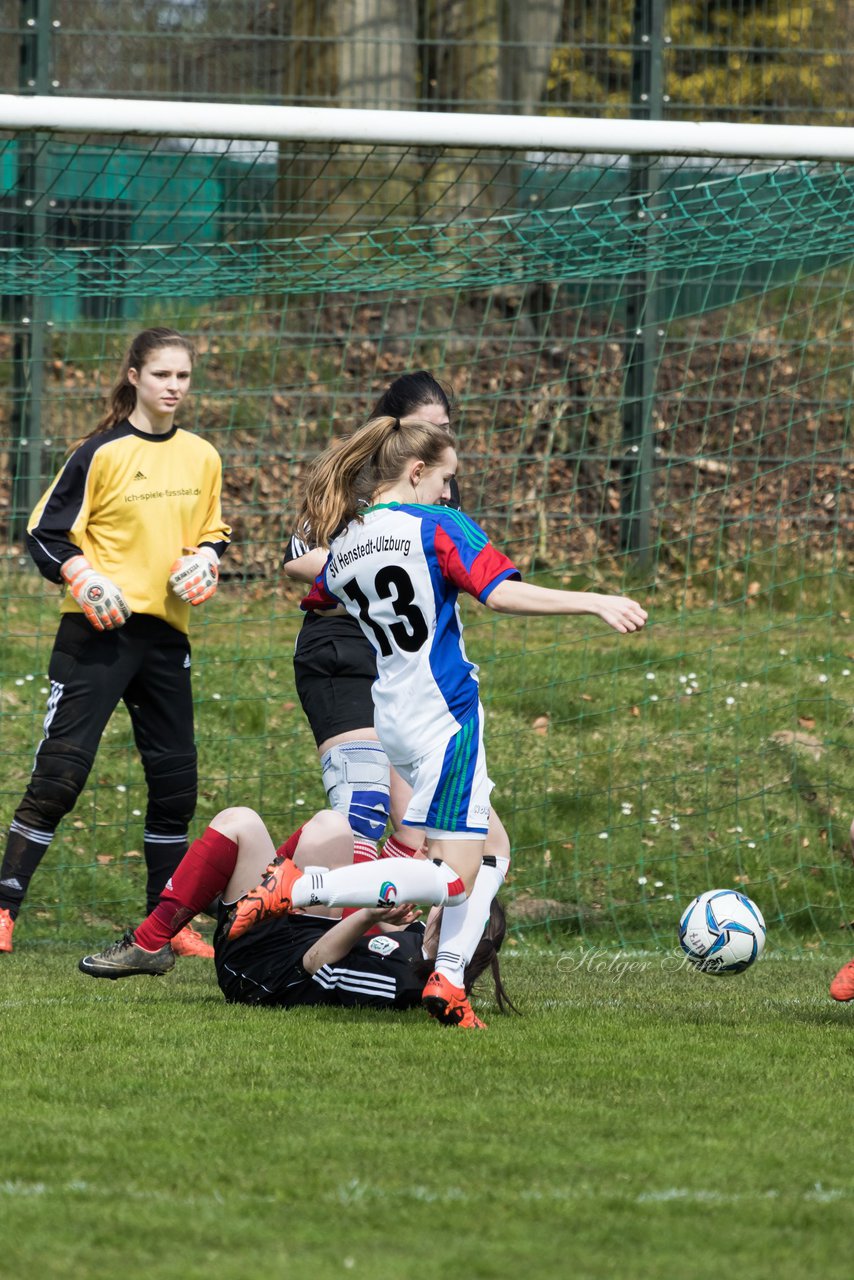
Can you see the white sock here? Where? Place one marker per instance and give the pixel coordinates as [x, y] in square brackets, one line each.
[380, 884]
[462, 926]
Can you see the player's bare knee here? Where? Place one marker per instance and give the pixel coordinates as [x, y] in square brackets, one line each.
[468, 882]
[459, 885]
[328, 823]
[237, 821]
[327, 838]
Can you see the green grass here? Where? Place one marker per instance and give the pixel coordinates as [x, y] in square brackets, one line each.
[715, 748]
[641, 1120]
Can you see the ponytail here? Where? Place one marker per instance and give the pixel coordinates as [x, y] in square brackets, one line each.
[350, 472]
[485, 957]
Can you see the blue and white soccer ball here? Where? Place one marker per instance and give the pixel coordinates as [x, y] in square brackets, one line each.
[722, 931]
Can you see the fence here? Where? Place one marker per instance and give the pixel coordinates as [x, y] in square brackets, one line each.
[770, 62]
[647, 355]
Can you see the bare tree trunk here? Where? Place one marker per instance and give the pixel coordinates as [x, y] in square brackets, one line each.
[353, 185]
[529, 30]
[377, 53]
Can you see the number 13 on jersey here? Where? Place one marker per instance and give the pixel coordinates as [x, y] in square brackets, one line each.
[394, 584]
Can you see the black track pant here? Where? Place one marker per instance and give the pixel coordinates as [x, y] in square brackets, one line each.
[145, 664]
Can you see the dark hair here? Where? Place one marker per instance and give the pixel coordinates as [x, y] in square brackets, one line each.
[123, 394]
[411, 392]
[485, 957]
[350, 471]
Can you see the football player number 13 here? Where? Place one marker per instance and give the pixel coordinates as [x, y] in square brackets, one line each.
[392, 583]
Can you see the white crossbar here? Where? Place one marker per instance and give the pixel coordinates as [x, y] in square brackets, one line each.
[424, 128]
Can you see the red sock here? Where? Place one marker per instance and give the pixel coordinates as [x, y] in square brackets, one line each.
[202, 873]
[394, 848]
[289, 848]
[364, 850]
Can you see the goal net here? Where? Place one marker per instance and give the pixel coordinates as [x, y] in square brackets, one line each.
[647, 330]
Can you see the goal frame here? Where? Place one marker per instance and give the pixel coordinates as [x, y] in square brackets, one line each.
[169, 118]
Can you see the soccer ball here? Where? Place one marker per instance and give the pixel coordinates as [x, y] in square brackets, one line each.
[722, 931]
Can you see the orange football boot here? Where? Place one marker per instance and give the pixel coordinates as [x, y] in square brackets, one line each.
[271, 898]
[449, 1004]
[842, 986]
[7, 924]
[189, 942]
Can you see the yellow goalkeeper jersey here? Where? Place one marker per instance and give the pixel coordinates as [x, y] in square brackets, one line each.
[131, 502]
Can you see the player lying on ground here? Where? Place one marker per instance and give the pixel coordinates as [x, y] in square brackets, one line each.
[398, 565]
[299, 958]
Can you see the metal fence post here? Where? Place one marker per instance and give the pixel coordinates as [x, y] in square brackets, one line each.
[31, 320]
[642, 346]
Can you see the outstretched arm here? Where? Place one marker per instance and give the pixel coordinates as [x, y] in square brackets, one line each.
[619, 612]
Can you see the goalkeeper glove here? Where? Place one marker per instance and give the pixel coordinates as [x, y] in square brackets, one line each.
[98, 596]
[194, 577]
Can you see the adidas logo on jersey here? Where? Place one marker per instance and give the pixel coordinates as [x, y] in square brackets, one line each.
[186, 660]
[140, 475]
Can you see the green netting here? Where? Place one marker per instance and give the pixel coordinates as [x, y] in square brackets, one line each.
[715, 748]
[183, 219]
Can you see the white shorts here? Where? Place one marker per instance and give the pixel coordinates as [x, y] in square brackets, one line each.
[450, 786]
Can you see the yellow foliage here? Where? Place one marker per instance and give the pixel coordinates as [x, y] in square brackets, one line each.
[756, 59]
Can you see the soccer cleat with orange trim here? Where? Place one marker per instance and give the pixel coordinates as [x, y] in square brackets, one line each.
[189, 942]
[271, 898]
[449, 1004]
[7, 924]
[842, 986]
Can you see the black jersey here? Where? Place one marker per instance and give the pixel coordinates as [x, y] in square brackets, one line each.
[264, 966]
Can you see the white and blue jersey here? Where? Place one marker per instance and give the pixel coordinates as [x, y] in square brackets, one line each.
[399, 571]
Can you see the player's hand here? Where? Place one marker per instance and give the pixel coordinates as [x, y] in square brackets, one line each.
[621, 613]
[405, 913]
[98, 596]
[194, 576]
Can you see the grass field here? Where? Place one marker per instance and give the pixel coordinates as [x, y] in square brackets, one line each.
[714, 748]
[640, 1120]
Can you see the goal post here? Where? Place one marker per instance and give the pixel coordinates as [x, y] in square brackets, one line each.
[647, 329]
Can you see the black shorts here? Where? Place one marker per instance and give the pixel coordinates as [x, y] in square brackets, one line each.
[334, 669]
[265, 966]
[145, 663]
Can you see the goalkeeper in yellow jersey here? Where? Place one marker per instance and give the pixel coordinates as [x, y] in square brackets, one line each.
[132, 525]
